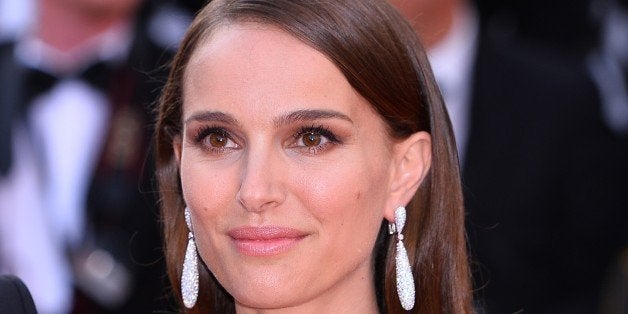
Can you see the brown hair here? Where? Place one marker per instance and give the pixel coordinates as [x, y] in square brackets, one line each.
[381, 57]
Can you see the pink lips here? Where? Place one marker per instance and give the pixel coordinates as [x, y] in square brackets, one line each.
[263, 241]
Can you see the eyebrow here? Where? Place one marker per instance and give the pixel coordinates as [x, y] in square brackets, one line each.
[295, 116]
[310, 115]
[207, 116]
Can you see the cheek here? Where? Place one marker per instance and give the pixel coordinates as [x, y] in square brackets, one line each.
[205, 187]
[209, 192]
[343, 197]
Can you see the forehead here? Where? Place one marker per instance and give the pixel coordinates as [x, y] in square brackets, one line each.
[242, 51]
[251, 63]
[255, 42]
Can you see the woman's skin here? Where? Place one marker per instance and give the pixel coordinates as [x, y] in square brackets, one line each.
[288, 173]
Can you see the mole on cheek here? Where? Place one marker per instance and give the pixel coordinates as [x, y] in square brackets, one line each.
[358, 195]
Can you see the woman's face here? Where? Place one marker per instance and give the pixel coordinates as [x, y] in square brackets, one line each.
[285, 168]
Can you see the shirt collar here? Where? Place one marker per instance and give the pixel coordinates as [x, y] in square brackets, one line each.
[113, 45]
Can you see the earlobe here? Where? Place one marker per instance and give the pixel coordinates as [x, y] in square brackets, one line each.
[412, 161]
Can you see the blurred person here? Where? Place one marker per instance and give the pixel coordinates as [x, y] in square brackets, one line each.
[78, 221]
[608, 63]
[543, 174]
[561, 24]
[15, 18]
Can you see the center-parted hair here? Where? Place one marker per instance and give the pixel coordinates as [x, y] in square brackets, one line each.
[381, 57]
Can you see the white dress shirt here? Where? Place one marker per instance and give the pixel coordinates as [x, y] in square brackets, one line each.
[452, 61]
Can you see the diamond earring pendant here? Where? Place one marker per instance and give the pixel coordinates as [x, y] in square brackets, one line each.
[189, 277]
[405, 280]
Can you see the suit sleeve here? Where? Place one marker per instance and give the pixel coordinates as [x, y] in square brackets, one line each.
[14, 296]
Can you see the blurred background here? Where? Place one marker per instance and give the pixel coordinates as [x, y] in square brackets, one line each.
[537, 93]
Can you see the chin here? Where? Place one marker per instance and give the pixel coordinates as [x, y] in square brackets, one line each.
[260, 298]
[266, 288]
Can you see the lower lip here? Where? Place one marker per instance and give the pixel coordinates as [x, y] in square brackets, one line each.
[265, 247]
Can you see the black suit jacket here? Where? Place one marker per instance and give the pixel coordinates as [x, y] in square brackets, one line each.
[15, 297]
[544, 180]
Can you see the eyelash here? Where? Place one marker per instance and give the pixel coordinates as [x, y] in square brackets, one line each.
[204, 132]
[321, 130]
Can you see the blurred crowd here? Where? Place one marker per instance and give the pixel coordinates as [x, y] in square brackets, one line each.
[537, 93]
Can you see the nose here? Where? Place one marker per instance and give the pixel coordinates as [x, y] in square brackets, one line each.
[261, 184]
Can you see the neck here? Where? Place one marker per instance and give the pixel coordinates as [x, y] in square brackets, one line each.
[66, 26]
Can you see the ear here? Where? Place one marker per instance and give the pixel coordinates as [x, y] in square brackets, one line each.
[177, 147]
[412, 158]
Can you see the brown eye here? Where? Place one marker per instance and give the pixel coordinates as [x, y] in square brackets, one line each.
[215, 139]
[311, 139]
[218, 140]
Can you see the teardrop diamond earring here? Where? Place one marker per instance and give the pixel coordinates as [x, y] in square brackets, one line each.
[189, 277]
[405, 280]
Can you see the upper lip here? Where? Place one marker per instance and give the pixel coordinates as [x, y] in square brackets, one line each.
[264, 233]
